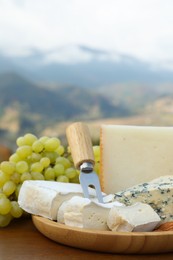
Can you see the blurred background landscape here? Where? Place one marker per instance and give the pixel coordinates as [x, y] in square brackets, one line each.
[101, 62]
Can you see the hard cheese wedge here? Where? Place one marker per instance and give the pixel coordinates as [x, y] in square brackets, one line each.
[134, 154]
[85, 213]
[45, 197]
[139, 217]
[158, 194]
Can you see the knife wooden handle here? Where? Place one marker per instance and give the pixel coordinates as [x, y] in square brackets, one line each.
[80, 143]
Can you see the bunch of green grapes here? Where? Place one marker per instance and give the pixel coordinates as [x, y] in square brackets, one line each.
[43, 158]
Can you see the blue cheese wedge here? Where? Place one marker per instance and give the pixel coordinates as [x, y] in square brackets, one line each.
[139, 217]
[158, 193]
[85, 213]
[45, 197]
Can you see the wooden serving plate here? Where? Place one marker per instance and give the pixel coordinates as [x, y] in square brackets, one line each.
[106, 241]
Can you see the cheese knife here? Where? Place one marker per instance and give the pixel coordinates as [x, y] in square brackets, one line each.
[80, 143]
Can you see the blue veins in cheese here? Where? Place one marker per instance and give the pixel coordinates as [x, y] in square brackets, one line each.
[85, 213]
[45, 197]
[138, 217]
[157, 193]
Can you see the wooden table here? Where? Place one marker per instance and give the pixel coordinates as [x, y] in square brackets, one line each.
[21, 241]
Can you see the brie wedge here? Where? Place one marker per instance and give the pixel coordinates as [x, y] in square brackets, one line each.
[45, 197]
[139, 217]
[85, 213]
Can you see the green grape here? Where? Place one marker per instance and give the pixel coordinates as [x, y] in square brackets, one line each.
[34, 157]
[70, 173]
[8, 188]
[45, 162]
[15, 211]
[29, 139]
[37, 146]
[64, 161]
[18, 189]
[51, 155]
[14, 158]
[37, 176]
[43, 139]
[62, 178]
[58, 169]
[25, 176]
[49, 174]
[51, 144]
[2, 195]
[22, 166]
[96, 150]
[69, 157]
[24, 151]
[60, 150]
[97, 167]
[5, 206]
[20, 141]
[68, 150]
[15, 177]
[8, 167]
[36, 167]
[4, 177]
[5, 220]
[75, 179]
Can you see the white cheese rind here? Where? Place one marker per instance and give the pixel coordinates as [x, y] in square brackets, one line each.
[134, 154]
[158, 194]
[139, 217]
[85, 213]
[45, 197]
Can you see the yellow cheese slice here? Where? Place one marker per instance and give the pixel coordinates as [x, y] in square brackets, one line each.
[134, 154]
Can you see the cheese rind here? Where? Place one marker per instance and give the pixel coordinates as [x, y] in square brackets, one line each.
[139, 217]
[85, 213]
[45, 197]
[158, 193]
[134, 154]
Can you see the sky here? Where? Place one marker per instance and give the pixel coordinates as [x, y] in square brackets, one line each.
[139, 28]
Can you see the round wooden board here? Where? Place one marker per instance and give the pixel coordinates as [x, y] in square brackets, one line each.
[106, 241]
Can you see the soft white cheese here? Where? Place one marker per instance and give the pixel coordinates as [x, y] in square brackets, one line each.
[134, 154]
[139, 217]
[45, 197]
[85, 213]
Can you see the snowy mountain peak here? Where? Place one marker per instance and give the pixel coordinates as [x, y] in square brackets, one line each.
[73, 54]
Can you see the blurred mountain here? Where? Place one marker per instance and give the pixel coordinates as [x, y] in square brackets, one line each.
[37, 107]
[75, 83]
[136, 96]
[43, 103]
[83, 66]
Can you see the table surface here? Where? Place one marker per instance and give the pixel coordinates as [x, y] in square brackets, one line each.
[22, 241]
